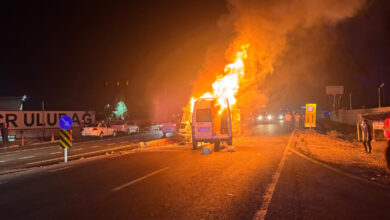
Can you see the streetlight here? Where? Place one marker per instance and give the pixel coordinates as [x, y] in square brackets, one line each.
[23, 99]
[379, 93]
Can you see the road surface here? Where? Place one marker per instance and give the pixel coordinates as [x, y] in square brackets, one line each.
[260, 179]
[29, 156]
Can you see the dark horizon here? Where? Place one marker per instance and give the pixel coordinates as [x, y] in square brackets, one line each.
[65, 52]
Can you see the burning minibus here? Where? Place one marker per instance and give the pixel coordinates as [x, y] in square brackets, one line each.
[210, 123]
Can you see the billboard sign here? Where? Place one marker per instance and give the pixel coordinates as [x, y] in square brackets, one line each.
[40, 119]
[334, 90]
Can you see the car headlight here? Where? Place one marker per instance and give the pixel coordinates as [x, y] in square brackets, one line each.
[281, 117]
[269, 117]
[260, 118]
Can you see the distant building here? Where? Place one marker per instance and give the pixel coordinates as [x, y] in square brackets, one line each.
[11, 103]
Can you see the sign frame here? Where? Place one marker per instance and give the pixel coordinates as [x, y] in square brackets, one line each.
[310, 115]
[334, 90]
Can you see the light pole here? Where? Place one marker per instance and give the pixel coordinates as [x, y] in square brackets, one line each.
[379, 94]
[23, 99]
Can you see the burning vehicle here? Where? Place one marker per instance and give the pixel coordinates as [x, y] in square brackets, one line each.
[211, 125]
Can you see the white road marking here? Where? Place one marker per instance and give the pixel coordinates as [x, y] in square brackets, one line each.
[11, 152]
[111, 144]
[56, 153]
[140, 179]
[3, 161]
[82, 154]
[22, 158]
[58, 169]
[77, 149]
[95, 146]
[262, 212]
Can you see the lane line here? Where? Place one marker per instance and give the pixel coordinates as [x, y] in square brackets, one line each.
[269, 192]
[3, 161]
[140, 179]
[95, 146]
[82, 154]
[77, 149]
[56, 153]
[11, 152]
[111, 144]
[22, 158]
[58, 169]
[337, 170]
[50, 146]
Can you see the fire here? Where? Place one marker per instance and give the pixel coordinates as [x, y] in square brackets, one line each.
[227, 85]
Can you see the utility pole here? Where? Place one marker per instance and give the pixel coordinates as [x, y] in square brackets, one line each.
[379, 94]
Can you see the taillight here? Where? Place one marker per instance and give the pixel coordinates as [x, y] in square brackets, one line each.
[95, 129]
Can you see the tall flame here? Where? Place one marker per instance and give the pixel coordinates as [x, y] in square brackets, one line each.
[226, 86]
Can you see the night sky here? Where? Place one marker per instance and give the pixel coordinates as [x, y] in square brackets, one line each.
[63, 52]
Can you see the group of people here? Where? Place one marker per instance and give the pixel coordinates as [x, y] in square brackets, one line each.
[292, 120]
[367, 138]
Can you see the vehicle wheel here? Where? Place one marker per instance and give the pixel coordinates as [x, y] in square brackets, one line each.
[114, 133]
[194, 145]
[217, 145]
[230, 142]
[164, 134]
[101, 135]
[137, 131]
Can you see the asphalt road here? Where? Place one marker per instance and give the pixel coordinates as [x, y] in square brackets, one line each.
[175, 182]
[28, 156]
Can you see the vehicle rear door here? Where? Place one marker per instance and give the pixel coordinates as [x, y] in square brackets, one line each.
[203, 123]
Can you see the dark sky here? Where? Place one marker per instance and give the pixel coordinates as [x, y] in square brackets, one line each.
[64, 51]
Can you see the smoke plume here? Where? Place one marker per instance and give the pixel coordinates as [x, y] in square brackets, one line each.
[268, 26]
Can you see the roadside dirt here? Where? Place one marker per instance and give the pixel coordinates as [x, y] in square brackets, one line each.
[344, 154]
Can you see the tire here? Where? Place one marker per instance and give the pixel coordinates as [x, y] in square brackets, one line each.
[101, 135]
[164, 134]
[230, 142]
[217, 146]
[194, 145]
[137, 131]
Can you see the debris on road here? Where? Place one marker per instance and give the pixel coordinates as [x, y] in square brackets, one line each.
[206, 151]
[141, 144]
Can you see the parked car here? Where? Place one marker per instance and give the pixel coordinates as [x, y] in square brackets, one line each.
[98, 130]
[168, 127]
[125, 127]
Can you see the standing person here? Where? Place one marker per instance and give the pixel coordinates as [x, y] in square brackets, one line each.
[387, 132]
[4, 134]
[367, 135]
[297, 118]
[288, 119]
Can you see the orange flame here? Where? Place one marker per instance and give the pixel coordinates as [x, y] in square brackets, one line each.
[226, 86]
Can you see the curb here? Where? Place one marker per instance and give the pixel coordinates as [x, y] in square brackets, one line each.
[333, 168]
